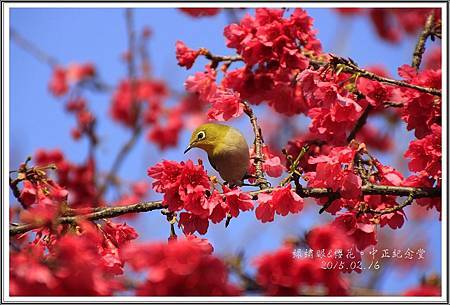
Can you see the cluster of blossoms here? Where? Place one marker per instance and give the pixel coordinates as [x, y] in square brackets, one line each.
[282, 64]
[73, 74]
[188, 189]
[333, 110]
[185, 267]
[422, 113]
[200, 12]
[85, 119]
[84, 261]
[40, 195]
[186, 186]
[340, 169]
[273, 49]
[281, 273]
[77, 179]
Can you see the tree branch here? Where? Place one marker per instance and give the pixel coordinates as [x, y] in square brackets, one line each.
[216, 59]
[33, 49]
[247, 281]
[111, 212]
[420, 46]
[259, 157]
[123, 152]
[293, 173]
[136, 109]
[393, 209]
[348, 66]
[360, 123]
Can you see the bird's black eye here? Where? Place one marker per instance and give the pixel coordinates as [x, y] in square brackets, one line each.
[201, 135]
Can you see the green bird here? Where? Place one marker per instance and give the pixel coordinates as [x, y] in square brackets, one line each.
[227, 150]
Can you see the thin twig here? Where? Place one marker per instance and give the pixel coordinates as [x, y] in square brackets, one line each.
[360, 123]
[136, 108]
[125, 149]
[294, 166]
[216, 59]
[348, 66]
[13, 184]
[33, 49]
[393, 209]
[420, 46]
[110, 212]
[248, 282]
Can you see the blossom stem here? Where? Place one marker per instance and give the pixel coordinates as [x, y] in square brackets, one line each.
[216, 59]
[294, 166]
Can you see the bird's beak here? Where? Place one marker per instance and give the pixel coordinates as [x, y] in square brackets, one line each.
[188, 148]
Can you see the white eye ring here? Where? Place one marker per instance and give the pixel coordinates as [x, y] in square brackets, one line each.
[201, 135]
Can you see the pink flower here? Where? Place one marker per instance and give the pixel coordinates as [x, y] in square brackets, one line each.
[426, 153]
[58, 84]
[80, 72]
[167, 136]
[190, 223]
[282, 200]
[200, 12]
[203, 84]
[184, 267]
[363, 234]
[225, 105]
[28, 194]
[272, 165]
[237, 201]
[351, 186]
[265, 210]
[285, 200]
[186, 57]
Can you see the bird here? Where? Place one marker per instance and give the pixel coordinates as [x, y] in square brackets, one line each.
[227, 149]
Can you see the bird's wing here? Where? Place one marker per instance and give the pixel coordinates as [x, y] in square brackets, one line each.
[212, 163]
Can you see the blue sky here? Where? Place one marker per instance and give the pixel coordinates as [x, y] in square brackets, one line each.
[38, 120]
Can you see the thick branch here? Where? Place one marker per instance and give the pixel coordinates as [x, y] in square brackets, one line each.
[259, 157]
[420, 46]
[371, 189]
[111, 212]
